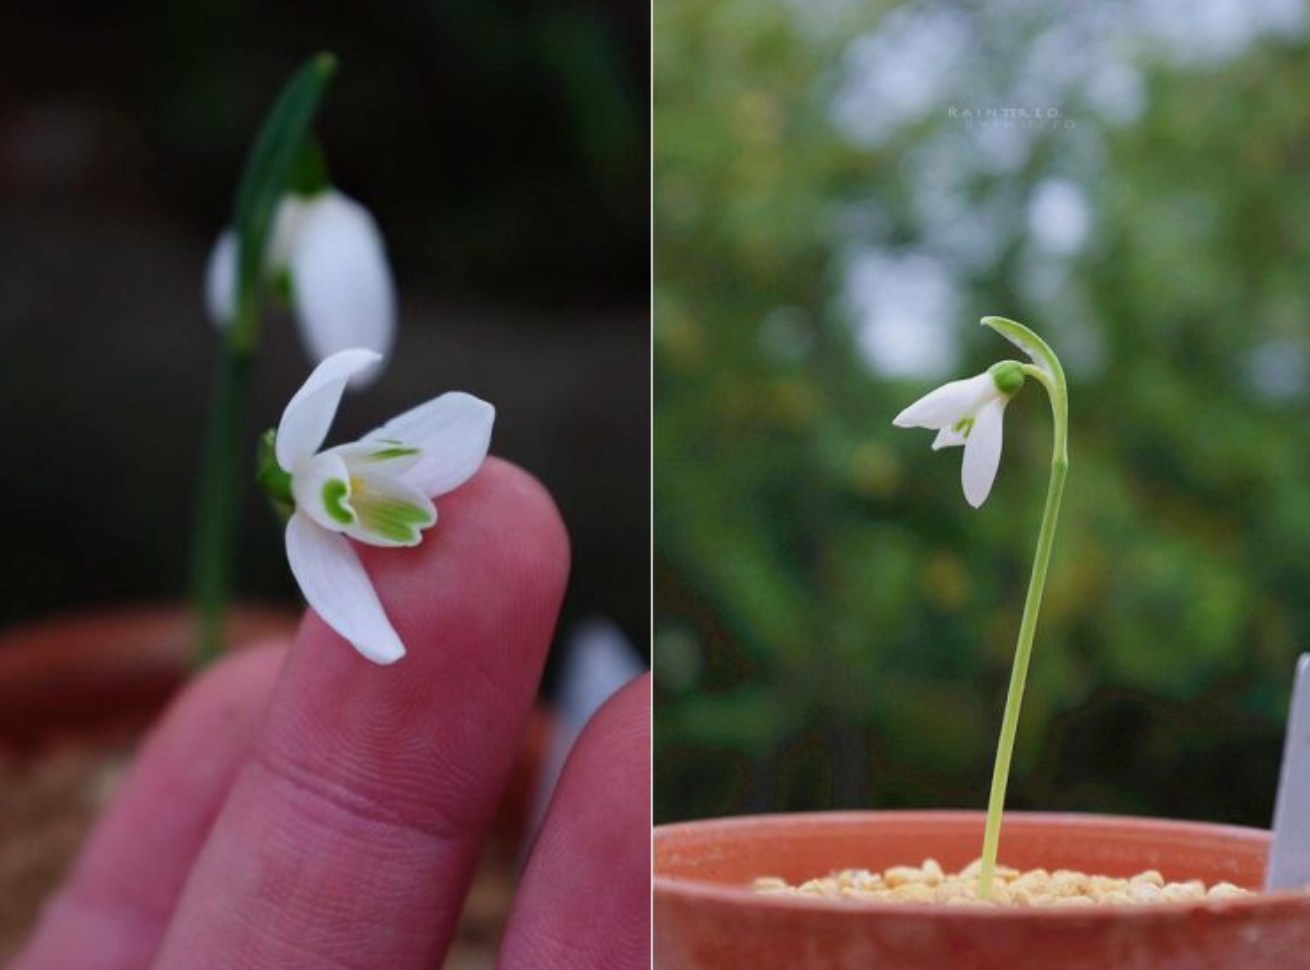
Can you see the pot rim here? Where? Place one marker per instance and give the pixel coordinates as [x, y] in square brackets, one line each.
[87, 667]
[693, 890]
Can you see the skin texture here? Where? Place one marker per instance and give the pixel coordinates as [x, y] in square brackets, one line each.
[585, 896]
[337, 824]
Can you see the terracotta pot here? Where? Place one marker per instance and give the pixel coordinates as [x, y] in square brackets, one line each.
[106, 668]
[707, 917]
[114, 670]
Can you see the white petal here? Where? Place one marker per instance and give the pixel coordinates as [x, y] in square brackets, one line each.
[390, 512]
[982, 453]
[948, 403]
[221, 272]
[337, 587]
[288, 223]
[377, 457]
[344, 293]
[221, 280]
[322, 488]
[308, 416]
[453, 432]
[948, 437]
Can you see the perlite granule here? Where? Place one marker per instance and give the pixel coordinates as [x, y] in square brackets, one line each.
[928, 883]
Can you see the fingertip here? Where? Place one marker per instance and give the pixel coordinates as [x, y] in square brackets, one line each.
[584, 901]
[502, 511]
[238, 671]
[622, 725]
[613, 753]
[227, 692]
[507, 501]
[631, 705]
[499, 553]
[367, 779]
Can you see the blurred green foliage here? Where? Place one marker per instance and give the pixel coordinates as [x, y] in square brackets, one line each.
[834, 624]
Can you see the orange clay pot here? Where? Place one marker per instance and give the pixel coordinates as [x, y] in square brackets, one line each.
[113, 670]
[106, 668]
[707, 917]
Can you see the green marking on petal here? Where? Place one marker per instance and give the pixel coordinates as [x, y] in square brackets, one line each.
[392, 518]
[394, 451]
[334, 494]
[964, 426]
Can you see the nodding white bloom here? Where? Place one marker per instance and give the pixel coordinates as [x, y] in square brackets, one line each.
[377, 490]
[330, 250]
[969, 413]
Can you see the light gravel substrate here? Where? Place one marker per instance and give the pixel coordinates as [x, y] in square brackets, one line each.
[928, 883]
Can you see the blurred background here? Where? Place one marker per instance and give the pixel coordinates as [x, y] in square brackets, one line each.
[842, 190]
[503, 148]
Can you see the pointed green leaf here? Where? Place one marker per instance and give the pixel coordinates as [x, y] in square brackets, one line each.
[265, 179]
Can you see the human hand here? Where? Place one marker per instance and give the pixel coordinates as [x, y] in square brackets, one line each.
[306, 809]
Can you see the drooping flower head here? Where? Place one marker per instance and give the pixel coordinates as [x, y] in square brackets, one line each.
[377, 490]
[327, 249]
[969, 412]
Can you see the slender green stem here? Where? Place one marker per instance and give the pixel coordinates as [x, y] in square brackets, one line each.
[268, 173]
[216, 514]
[1052, 379]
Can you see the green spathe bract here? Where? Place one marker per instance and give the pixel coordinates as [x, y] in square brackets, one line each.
[282, 150]
[1046, 370]
[275, 482]
[309, 175]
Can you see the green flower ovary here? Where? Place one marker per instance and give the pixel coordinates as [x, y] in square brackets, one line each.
[1008, 376]
[275, 482]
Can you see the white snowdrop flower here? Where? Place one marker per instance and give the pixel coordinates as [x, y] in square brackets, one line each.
[332, 253]
[377, 490]
[969, 413]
